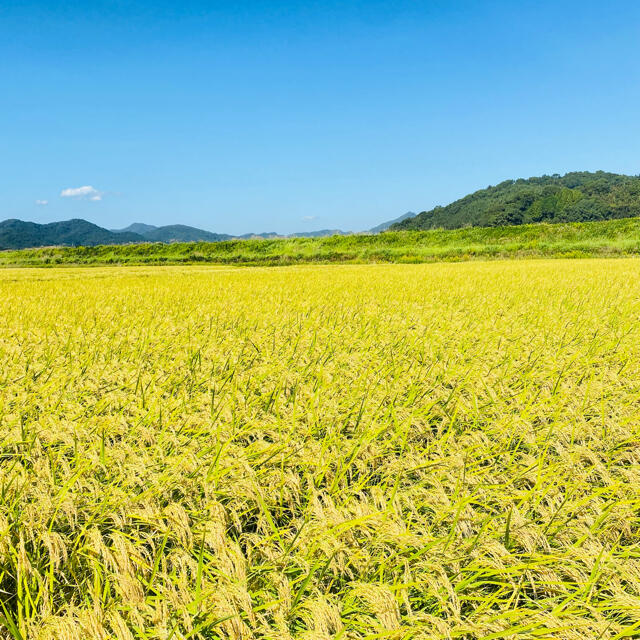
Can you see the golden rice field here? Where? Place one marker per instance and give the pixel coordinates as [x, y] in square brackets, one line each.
[392, 451]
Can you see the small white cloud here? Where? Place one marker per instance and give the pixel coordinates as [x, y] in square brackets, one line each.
[309, 218]
[82, 193]
[42, 203]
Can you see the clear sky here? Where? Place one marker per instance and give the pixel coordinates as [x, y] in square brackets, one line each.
[292, 116]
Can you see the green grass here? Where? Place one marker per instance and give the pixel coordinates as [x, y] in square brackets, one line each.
[611, 238]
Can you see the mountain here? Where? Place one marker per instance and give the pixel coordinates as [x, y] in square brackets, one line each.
[172, 233]
[183, 233]
[319, 234]
[16, 234]
[574, 197]
[137, 227]
[322, 233]
[265, 235]
[385, 225]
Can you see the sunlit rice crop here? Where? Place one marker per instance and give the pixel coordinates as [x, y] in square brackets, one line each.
[390, 451]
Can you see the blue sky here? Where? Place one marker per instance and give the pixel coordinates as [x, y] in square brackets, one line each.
[291, 116]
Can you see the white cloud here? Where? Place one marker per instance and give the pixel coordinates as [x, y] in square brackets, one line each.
[82, 193]
[42, 202]
[309, 218]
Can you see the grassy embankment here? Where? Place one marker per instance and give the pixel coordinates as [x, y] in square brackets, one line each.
[610, 238]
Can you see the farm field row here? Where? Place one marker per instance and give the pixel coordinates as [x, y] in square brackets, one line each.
[349, 451]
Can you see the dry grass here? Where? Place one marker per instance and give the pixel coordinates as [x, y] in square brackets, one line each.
[433, 451]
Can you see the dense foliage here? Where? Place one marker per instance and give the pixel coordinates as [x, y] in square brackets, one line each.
[609, 238]
[574, 197]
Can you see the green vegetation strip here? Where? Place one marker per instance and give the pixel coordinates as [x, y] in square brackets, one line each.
[609, 238]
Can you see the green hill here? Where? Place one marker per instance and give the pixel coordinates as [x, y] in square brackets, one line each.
[17, 234]
[574, 197]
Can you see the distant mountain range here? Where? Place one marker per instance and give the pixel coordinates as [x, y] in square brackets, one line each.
[573, 197]
[17, 234]
[172, 233]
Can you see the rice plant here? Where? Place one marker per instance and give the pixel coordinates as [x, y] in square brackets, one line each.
[358, 451]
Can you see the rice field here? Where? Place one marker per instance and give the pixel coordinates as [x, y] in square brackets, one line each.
[356, 451]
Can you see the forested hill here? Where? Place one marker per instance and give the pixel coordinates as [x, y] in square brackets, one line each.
[574, 197]
[17, 234]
